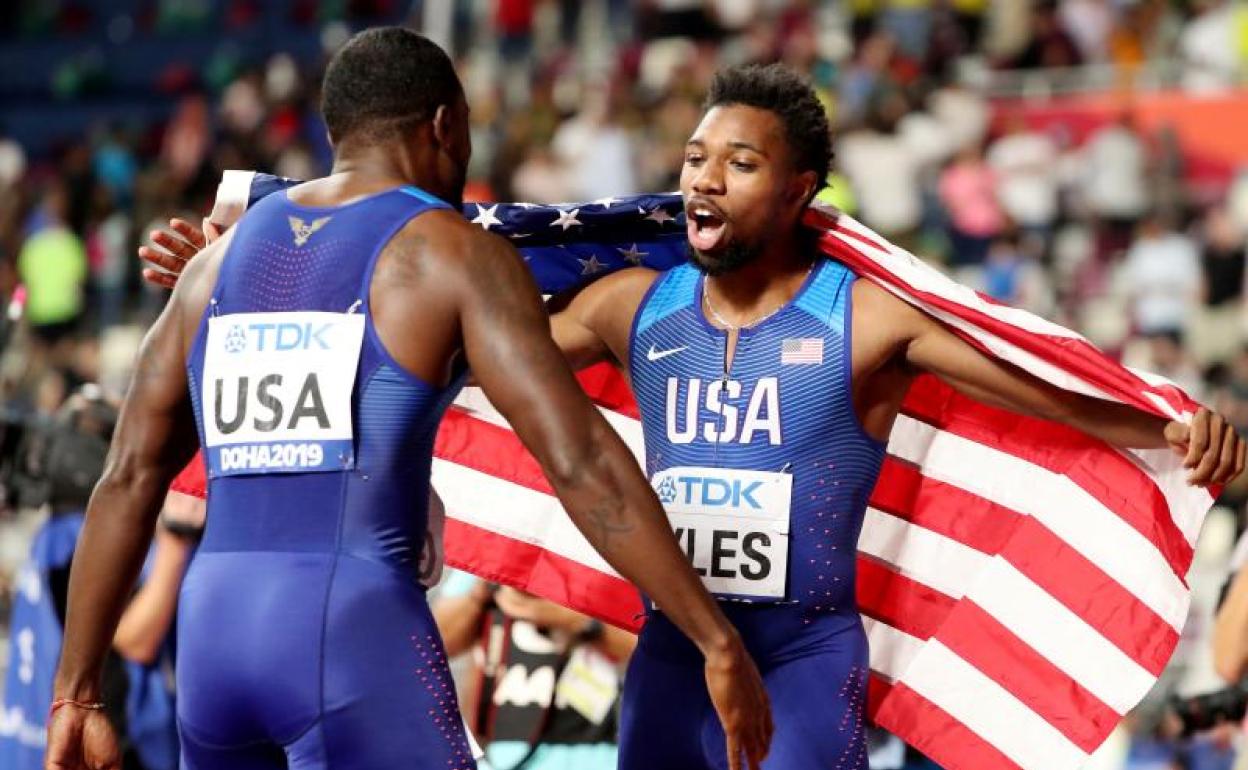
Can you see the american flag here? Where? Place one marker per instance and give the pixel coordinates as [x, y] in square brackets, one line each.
[1022, 584]
[808, 350]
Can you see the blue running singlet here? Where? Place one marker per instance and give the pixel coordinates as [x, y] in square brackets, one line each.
[765, 471]
[304, 638]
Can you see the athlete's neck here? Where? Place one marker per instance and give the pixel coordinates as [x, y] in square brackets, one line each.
[363, 170]
[765, 283]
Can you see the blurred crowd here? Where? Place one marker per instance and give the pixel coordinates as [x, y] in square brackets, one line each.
[1100, 231]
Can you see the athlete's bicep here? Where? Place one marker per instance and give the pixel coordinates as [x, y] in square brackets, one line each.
[155, 435]
[579, 343]
[594, 323]
[934, 348]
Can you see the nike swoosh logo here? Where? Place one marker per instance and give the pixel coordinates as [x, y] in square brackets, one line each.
[655, 355]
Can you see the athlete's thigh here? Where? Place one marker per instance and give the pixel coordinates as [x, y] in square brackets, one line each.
[663, 716]
[819, 706]
[388, 700]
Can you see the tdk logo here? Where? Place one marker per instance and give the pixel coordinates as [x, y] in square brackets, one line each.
[666, 490]
[235, 339]
[709, 491]
[277, 337]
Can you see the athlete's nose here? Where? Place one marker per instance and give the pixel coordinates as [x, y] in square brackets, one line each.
[709, 179]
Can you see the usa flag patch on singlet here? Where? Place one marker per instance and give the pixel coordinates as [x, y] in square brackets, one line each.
[277, 392]
[807, 350]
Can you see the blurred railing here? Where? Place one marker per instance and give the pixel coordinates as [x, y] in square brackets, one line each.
[1154, 75]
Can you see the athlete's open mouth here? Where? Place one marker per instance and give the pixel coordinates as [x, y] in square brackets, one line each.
[706, 226]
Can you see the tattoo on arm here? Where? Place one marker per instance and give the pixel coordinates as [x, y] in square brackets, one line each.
[607, 518]
[402, 268]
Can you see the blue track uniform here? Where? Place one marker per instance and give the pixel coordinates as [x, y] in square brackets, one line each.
[304, 638]
[765, 472]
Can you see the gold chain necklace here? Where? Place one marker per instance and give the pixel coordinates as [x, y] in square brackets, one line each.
[706, 299]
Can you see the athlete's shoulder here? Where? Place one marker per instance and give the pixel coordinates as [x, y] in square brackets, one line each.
[445, 238]
[440, 248]
[625, 286]
[888, 315]
[609, 303]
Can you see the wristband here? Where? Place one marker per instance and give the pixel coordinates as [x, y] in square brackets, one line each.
[88, 706]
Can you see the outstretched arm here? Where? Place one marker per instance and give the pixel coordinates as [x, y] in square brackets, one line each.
[154, 438]
[1211, 448]
[507, 339]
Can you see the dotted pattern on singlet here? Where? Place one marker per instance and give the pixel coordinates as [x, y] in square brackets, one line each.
[434, 676]
[853, 721]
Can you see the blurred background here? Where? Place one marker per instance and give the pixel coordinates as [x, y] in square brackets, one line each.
[1083, 159]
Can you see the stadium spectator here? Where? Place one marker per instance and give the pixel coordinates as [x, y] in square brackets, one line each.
[53, 265]
[1114, 182]
[1050, 45]
[1025, 162]
[883, 171]
[1162, 278]
[968, 190]
[70, 457]
[544, 683]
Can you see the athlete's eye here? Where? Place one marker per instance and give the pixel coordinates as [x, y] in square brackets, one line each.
[693, 160]
[744, 165]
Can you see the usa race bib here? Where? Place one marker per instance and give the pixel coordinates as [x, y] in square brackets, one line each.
[733, 525]
[277, 390]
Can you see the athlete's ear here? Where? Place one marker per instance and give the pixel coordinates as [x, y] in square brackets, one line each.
[442, 125]
[803, 187]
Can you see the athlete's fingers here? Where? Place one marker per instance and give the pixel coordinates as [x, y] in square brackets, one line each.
[189, 232]
[1241, 454]
[754, 760]
[174, 245]
[161, 259]
[1197, 438]
[1227, 457]
[212, 230]
[1209, 457]
[756, 752]
[734, 750]
[159, 278]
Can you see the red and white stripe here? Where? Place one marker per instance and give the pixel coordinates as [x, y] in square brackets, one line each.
[1022, 584]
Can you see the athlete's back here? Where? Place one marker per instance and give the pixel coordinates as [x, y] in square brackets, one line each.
[318, 445]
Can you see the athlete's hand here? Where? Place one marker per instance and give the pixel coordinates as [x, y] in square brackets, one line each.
[741, 702]
[176, 248]
[79, 739]
[1210, 447]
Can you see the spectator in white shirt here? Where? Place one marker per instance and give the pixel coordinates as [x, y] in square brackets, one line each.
[1162, 277]
[1027, 172]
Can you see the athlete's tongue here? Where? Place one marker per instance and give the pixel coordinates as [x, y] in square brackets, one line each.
[706, 230]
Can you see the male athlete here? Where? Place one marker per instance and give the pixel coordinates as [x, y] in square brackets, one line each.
[312, 351]
[731, 407]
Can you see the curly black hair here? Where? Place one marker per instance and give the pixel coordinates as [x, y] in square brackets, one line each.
[386, 79]
[781, 90]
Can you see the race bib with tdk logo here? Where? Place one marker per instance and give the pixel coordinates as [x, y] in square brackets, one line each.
[277, 390]
[733, 525]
